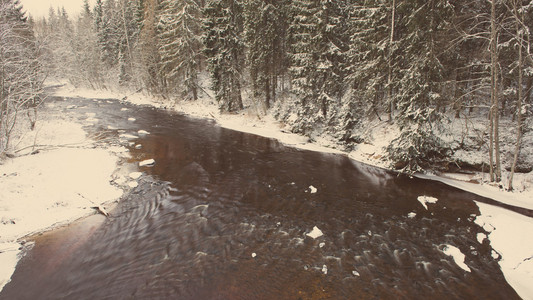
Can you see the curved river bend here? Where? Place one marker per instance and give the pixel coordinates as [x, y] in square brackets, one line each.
[225, 215]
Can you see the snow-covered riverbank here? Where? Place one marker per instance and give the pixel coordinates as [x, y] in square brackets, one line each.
[61, 182]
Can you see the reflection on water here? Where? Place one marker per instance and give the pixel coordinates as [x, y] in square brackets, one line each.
[224, 215]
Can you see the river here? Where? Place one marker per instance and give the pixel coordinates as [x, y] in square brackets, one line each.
[226, 215]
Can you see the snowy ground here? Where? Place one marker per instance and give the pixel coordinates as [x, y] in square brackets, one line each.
[60, 183]
[508, 232]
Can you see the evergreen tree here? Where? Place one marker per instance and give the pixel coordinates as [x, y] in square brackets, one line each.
[332, 45]
[107, 24]
[303, 29]
[127, 31]
[147, 52]
[319, 42]
[224, 49]
[180, 31]
[420, 89]
[266, 41]
[88, 66]
[98, 15]
[369, 55]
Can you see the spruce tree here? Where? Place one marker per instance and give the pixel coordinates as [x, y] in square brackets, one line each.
[147, 54]
[180, 45]
[224, 49]
[420, 90]
[303, 67]
[266, 41]
[318, 46]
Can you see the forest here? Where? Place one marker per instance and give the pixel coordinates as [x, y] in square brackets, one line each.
[323, 67]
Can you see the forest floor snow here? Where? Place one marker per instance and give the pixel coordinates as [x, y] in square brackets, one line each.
[510, 233]
[61, 182]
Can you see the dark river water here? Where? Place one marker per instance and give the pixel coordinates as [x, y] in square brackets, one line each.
[224, 215]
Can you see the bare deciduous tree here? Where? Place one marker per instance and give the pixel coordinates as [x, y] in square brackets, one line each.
[20, 77]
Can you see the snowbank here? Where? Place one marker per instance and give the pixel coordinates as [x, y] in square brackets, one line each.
[53, 187]
[56, 185]
[510, 236]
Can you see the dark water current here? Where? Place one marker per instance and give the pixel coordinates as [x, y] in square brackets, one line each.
[224, 215]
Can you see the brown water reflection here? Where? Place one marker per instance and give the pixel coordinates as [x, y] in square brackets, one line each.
[215, 197]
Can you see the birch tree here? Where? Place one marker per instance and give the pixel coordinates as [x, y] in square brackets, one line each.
[20, 74]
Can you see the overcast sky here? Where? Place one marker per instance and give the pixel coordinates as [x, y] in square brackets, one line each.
[39, 8]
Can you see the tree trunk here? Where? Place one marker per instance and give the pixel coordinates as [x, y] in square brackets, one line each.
[389, 77]
[495, 136]
[519, 36]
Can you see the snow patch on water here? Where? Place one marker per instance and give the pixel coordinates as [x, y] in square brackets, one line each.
[133, 184]
[132, 119]
[147, 163]
[135, 175]
[128, 136]
[325, 269]
[315, 233]
[143, 132]
[424, 200]
[457, 256]
[481, 237]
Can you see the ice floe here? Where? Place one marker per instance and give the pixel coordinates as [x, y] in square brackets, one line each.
[315, 233]
[424, 200]
[147, 163]
[457, 256]
[135, 175]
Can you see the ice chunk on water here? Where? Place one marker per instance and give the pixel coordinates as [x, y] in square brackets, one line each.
[424, 200]
[312, 189]
[325, 269]
[315, 233]
[355, 273]
[135, 175]
[143, 132]
[481, 237]
[128, 136]
[131, 119]
[411, 215]
[148, 162]
[457, 256]
[254, 254]
[133, 184]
